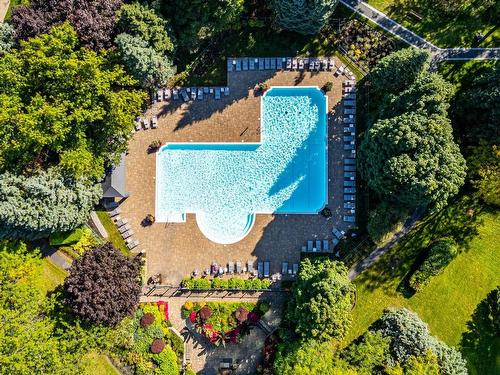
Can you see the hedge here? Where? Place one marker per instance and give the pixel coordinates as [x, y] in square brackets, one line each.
[231, 283]
[441, 253]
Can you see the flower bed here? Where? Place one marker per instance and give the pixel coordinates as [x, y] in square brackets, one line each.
[224, 322]
[233, 283]
[144, 344]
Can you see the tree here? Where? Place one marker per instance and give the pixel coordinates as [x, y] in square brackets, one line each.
[441, 253]
[411, 337]
[384, 221]
[430, 93]
[93, 20]
[484, 171]
[477, 108]
[398, 71]
[6, 37]
[322, 300]
[304, 17]
[369, 354]
[103, 286]
[305, 358]
[34, 207]
[140, 21]
[31, 338]
[63, 106]
[195, 21]
[146, 65]
[412, 160]
[425, 364]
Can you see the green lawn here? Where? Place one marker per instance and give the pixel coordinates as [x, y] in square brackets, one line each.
[114, 235]
[457, 31]
[449, 301]
[52, 276]
[99, 365]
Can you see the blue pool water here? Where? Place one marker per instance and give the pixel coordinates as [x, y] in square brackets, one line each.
[226, 184]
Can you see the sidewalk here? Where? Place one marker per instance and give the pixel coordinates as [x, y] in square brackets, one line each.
[4, 7]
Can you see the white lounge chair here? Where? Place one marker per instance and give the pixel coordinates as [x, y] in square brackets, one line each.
[145, 121]
[154, 122]
[168, 94]
[175, 94]
[289, 63]
[200, 94]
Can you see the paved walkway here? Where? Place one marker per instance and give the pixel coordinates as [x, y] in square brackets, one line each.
[379, 251]
[408, 36]
[4, 6]
[56, 256]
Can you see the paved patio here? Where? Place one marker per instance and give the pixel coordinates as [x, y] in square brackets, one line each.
[175, 250]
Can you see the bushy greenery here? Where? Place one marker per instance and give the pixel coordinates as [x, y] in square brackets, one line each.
[411, 337]
[369, 355]
[484, 171]
[34, 336]
[231, 283]
[103, 286]
[304, 17]
[322, 300]
[306, 358]
[56, 112]
[34, 207]
[93, 20]
[6, 37]
[66, 238]
[441, 253]
[384, 221]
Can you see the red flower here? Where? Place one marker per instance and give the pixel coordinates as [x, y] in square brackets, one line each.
[208, 326]
[192, 316]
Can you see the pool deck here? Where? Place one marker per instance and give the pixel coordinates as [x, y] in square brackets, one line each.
[176, 249]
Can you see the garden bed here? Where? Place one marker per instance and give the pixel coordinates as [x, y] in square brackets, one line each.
[224, 322]
[233, 283]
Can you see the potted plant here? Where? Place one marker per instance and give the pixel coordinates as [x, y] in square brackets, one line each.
[155, 145]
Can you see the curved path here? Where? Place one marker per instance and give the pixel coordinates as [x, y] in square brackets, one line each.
[415, 40]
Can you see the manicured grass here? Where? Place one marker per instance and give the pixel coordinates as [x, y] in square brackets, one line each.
[114, 235]
[443, 31]
[52, 276]
[448, 302]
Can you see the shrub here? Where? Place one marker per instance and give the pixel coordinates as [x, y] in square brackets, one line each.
[147, 319]
[202, 284]
[157, 346]
[167, 361]
[441, 253]
[241, 314]
[235, 283]
[384, 221]
[188, 283]
[263, 307]
[219, 283]
[205, 313]
[328, 86]
[188, 306]
[265, 283]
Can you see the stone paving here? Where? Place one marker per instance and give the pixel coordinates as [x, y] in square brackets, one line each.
[176, 249]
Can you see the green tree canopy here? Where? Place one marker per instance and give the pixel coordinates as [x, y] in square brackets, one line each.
[149, 67]
[484, 170]
[140, 21]
[412, 160]
[398, 71]
[6, 37]
[63, 106]
[34, 207]
[322, 300]
[304, 17]
[31, 340]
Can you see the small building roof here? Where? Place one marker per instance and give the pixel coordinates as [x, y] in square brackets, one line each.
[113, 185]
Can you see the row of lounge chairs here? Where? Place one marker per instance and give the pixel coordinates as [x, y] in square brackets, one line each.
[289, 269]
[190, 93]
[287, 63]
[124, 228]
[349, 139]
[145, 123]
[317, 246]
[232, 268]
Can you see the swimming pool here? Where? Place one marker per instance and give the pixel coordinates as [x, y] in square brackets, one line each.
[226, 184]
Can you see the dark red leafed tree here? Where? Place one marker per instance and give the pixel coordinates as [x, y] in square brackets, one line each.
[93, 20]
[104, 285]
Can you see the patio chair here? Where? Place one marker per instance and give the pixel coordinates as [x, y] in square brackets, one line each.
[335, 242]
[261, 63]
[175, 94]
[267, 266]
[318, 245]
[125, 228]
[295, 268]
[217, 93]
[244, 64]
[193, 93]
[230, 267]
[283, 63]
[229, 65]
[309, 246]
[267, 63]
[350, 161]
[260, 269]
[115, 212]
[348, 83]
[349, 103]
[251, 63]
[317, 66]
[168, 94]
[273, 63]
[132, 244]
[250, 266]
[350, 175]
[349, 218]
[205, 90]
[185, 96]
[326, 246]
[350, 96]
[145, 121]
[289, 63]
[137, 124]
[349, 197]
[127, 234]
[154, 122]
[284, 268]
[294, 64]
[349, 205]
[238, 267]
[226, 91]
[238, 65]
[301, 64]
[200, 94]
[349, 190]
[349, 183]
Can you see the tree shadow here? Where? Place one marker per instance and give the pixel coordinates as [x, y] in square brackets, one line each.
[480, 345]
